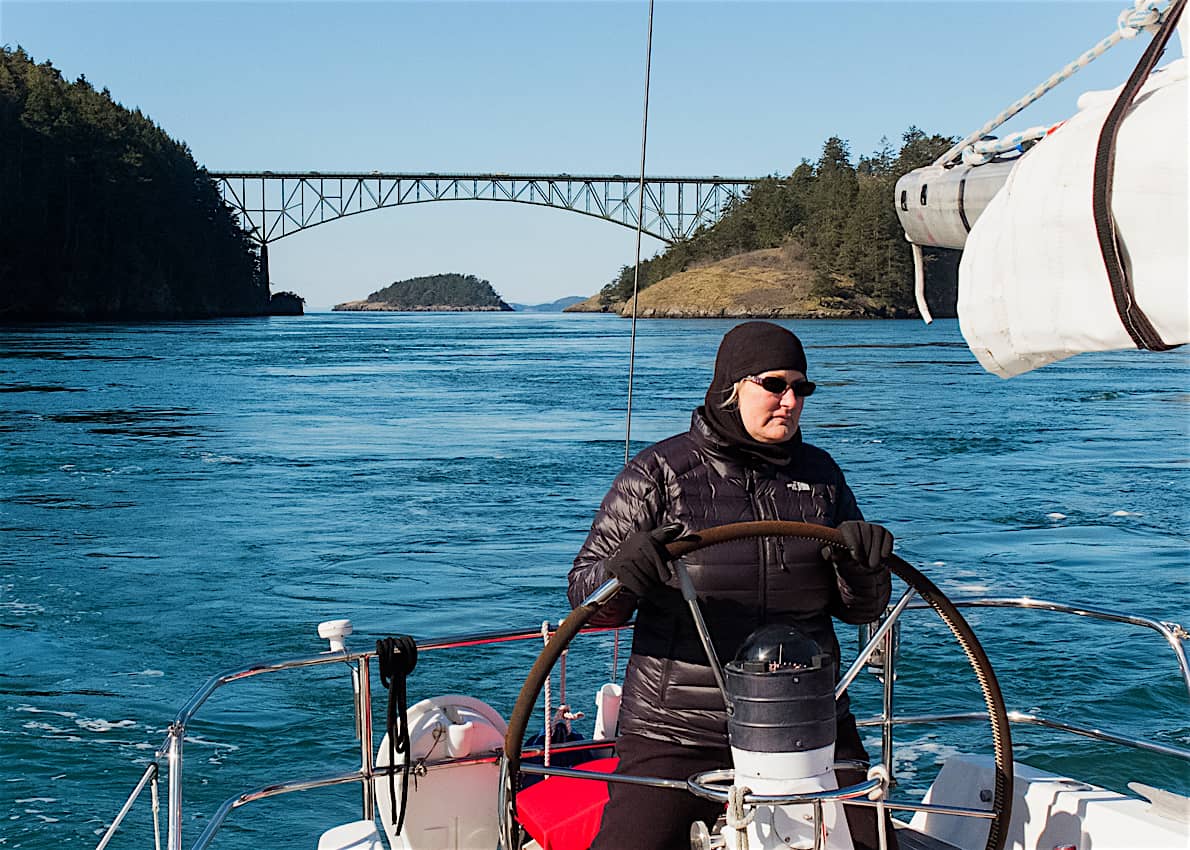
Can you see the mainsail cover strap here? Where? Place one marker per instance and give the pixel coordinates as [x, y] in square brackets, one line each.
[1136, 323]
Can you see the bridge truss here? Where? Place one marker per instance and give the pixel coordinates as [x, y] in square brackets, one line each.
[273, 205]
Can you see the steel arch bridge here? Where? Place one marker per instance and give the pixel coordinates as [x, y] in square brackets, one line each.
[272, 205]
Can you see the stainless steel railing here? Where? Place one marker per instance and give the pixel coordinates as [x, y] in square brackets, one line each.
[149, 776]
[1175, 635]
[882, 640]
[171, 751]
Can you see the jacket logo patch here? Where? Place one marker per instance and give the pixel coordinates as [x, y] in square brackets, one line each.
[798, 486]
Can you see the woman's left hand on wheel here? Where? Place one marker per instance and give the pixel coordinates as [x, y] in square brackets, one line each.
[868, 544]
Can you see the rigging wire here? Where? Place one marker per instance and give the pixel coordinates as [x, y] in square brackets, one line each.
[1141, 16]
[640, 222]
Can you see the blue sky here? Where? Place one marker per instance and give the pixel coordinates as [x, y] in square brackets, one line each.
[741, 89]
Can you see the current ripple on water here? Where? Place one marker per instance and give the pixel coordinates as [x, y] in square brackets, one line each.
[178, 500]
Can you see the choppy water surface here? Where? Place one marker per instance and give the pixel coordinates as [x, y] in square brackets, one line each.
[180, 498]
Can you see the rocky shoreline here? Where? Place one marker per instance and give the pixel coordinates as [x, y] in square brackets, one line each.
[624, 310]
[771, 283]
[386, 307]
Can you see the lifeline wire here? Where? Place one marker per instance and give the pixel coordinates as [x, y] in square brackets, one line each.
[640, 222]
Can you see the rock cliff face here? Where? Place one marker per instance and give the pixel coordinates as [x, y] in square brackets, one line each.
[767, 284]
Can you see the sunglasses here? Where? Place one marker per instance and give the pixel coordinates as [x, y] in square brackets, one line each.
[777, 386]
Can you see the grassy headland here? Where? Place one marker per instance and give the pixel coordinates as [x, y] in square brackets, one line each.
[822, 242]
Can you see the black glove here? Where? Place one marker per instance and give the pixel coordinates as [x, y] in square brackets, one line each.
[642, 563]
[868, 545]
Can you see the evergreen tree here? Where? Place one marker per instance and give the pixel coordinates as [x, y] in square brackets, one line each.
[829, 206]
[439, 290]
[102, 215]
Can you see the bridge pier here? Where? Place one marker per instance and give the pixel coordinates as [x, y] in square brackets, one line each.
[264, 264]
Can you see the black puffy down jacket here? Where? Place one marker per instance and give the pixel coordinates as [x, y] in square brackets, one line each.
[694, 480]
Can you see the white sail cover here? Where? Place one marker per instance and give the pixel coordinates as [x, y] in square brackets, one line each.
[1033, 287]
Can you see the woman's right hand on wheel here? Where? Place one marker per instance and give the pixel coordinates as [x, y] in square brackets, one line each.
[642, 562]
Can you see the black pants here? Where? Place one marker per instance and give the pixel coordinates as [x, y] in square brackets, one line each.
[642, 818]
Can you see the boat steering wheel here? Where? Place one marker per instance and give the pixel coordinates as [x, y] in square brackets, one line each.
[518, 722]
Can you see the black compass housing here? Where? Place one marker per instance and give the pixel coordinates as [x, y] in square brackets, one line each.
[782, 691]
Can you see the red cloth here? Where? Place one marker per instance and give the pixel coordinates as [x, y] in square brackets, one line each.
[561, 813]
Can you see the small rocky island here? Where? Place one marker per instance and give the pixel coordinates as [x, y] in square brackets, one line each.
[286, 304]
[455, 293]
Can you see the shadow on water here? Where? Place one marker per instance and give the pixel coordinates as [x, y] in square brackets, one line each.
[123, 416]
[38, 388]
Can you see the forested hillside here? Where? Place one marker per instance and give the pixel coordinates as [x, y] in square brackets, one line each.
[840, 215]
[432, 292]
[104, 216]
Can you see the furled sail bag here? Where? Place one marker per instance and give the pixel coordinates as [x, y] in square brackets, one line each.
[1033, 283]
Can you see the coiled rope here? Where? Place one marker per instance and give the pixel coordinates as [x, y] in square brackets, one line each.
[987, 150]
[396, 657]
[738, 815]
[1142, 16]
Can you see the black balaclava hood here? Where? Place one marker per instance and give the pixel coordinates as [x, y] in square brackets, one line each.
[750, 349]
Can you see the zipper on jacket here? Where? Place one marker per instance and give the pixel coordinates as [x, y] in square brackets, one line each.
[758, 513]
[778, 544]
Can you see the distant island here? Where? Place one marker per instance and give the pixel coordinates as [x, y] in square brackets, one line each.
[455, 293]
[551, 307]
